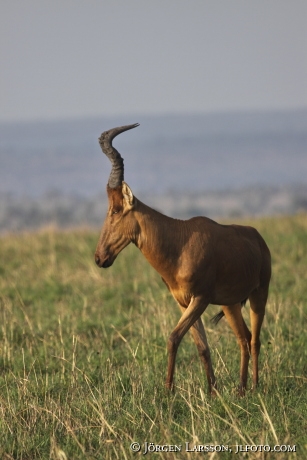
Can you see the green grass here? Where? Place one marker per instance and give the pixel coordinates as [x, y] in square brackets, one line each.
[83, 355]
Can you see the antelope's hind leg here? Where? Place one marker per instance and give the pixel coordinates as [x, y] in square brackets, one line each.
[258, 299]
[235, 319]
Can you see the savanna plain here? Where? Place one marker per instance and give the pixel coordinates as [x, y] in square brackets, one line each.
[83, 356]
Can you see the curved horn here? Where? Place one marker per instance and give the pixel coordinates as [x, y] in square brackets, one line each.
[105, 141]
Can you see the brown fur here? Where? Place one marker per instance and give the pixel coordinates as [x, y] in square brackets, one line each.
[201, 262]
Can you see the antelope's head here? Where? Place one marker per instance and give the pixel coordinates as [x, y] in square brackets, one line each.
[120, 226]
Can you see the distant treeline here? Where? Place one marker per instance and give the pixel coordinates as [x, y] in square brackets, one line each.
[64, 210]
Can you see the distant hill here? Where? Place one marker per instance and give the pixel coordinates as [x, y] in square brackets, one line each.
[174, 152]
[170, 159]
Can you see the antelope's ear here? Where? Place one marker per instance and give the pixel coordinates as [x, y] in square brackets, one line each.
[128, 196]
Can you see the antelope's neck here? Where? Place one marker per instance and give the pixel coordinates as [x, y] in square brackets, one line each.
[158, 239]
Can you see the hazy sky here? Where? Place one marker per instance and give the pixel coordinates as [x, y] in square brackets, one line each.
[72, 58]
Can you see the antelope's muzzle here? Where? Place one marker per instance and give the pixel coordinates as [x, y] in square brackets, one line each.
[103, 262]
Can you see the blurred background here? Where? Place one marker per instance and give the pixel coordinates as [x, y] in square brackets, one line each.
[219, 90]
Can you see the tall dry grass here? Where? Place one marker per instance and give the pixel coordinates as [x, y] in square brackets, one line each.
[83, 356]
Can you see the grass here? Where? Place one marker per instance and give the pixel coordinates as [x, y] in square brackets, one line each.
[83, 356]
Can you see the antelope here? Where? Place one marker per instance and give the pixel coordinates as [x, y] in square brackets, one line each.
[200, 261]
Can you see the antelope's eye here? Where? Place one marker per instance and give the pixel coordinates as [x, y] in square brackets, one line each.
[114, 212]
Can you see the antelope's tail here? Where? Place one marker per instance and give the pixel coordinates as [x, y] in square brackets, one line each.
[216, 318]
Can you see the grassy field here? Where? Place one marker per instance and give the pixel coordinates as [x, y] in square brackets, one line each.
[83, 356]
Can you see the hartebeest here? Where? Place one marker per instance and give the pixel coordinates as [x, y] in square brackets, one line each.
[199, 260]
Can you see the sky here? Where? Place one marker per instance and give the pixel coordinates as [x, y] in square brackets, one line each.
[81, 58]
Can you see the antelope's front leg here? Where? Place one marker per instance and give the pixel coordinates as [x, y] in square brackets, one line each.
[200, 339]
[191, 314]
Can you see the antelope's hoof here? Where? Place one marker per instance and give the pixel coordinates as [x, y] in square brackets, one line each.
[241, 391]
[170, 387]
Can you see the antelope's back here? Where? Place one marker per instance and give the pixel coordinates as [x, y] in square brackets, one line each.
[232, 260]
